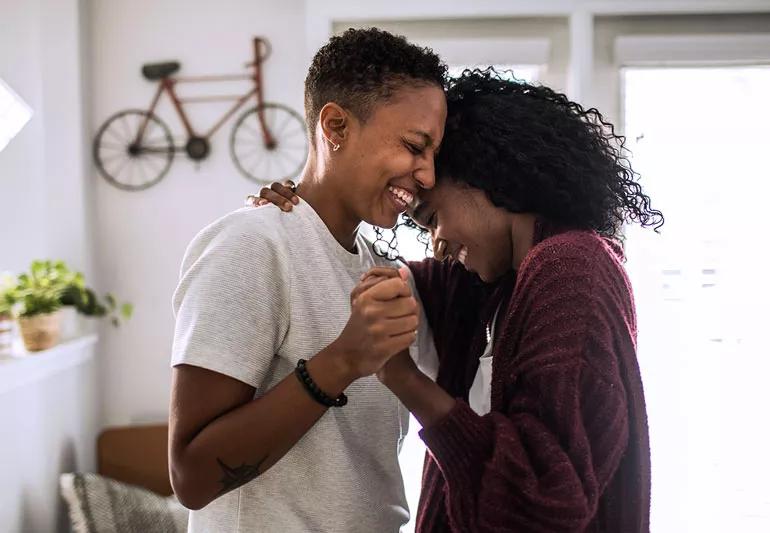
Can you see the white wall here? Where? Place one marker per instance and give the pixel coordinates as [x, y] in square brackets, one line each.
[141, 236]
[50, 426]
[24, 232]
[43, 198]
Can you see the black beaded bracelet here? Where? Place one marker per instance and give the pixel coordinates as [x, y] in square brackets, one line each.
[316, 393]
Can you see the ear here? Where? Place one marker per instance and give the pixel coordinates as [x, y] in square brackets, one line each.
[334, 122]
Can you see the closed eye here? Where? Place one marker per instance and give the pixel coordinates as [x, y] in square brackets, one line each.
[413, 148]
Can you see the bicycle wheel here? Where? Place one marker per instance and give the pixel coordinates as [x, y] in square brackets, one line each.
[264, 163]
[126, 163]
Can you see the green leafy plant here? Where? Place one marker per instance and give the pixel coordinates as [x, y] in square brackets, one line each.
[39, 291]
[49, 285]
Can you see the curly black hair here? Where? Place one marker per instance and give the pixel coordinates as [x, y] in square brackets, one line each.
[533, 150]
[364, 66]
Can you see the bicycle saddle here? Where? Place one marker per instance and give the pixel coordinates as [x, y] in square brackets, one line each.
[157, 71]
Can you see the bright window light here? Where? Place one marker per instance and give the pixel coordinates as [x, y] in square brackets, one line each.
[14, 114]
[699, 138]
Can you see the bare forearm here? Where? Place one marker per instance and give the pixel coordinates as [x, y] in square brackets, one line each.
[239, 445]
[426, 400]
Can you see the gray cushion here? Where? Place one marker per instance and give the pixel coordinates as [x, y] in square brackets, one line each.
[99, 504]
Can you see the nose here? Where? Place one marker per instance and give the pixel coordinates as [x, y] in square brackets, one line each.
[425, 174]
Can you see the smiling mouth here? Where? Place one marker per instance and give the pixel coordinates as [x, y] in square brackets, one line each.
[401, 197]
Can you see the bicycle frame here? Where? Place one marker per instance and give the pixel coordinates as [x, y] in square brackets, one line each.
[168, 85]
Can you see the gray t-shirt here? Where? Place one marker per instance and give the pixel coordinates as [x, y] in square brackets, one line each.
[260, 289]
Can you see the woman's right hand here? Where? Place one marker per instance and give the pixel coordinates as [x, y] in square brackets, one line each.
[278, 193]
[383, 322]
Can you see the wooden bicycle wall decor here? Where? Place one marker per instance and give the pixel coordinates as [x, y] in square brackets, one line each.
[134, 148]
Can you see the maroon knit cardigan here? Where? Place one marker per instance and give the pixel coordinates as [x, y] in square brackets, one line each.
[565, 447]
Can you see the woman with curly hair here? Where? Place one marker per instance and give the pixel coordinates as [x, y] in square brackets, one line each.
[537, 420]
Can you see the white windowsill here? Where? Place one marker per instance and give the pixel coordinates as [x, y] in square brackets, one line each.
[23, 368]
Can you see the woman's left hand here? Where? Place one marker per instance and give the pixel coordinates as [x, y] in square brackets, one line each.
[280, 194]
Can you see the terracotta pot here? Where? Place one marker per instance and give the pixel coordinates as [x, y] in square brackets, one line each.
[40, 332]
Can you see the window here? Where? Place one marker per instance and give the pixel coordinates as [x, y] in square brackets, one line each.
[699, 138]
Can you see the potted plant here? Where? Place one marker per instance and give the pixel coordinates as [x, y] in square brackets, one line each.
[38, 294]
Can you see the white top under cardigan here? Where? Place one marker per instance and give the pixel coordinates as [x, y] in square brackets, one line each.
[480, 395]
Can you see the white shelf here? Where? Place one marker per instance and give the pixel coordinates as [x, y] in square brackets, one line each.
[23, 368]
